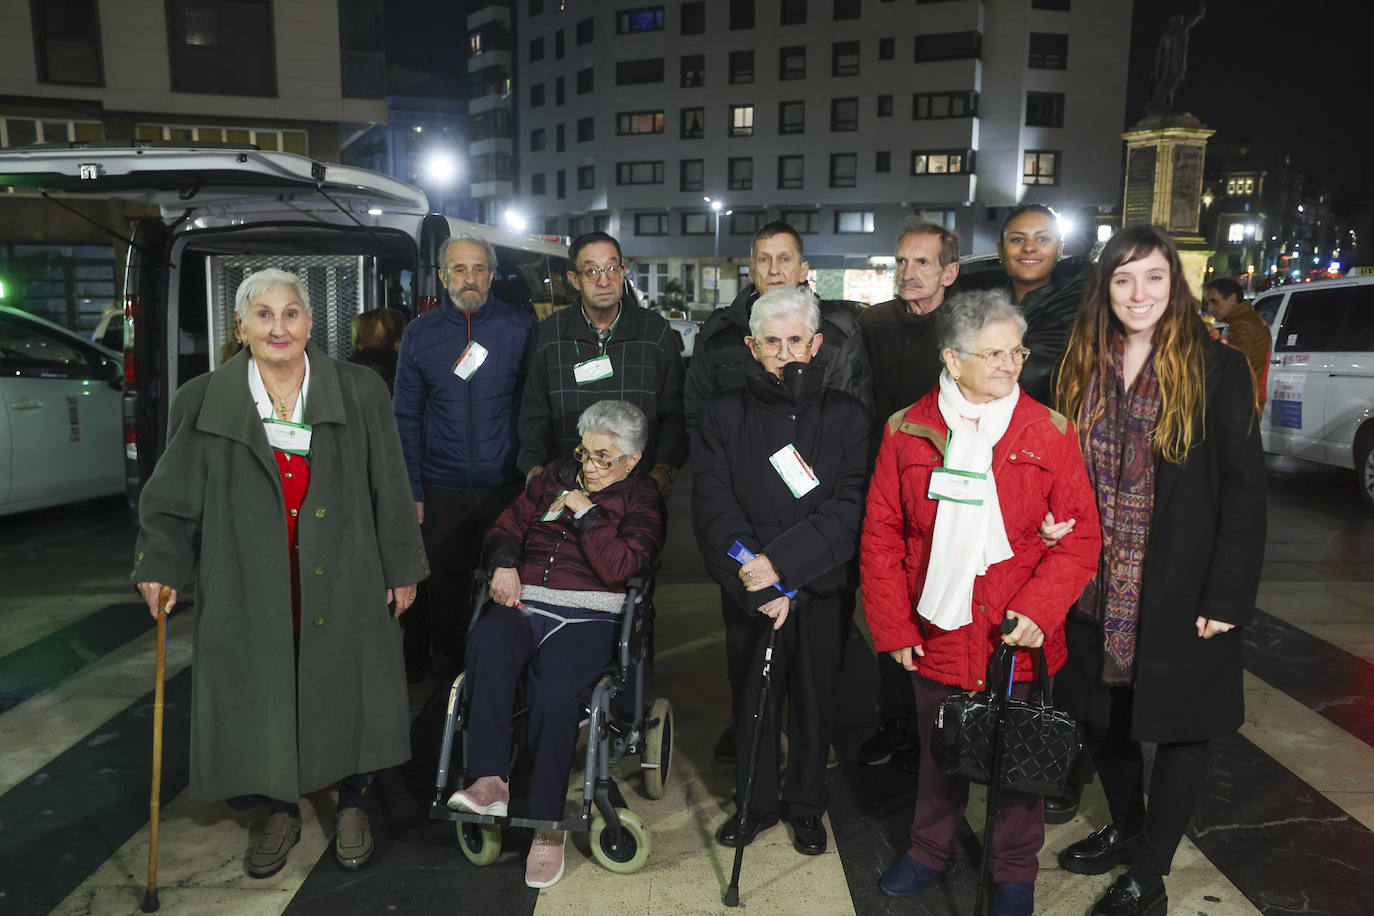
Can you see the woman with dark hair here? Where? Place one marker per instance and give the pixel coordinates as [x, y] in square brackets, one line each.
[1166, 420]
[377, 342]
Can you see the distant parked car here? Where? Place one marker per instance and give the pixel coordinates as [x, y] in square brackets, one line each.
[61, 435]
[687, 330]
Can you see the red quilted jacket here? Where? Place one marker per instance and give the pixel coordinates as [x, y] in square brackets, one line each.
[1038, 467]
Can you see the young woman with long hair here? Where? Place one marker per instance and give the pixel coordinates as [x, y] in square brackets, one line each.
[1166, 420]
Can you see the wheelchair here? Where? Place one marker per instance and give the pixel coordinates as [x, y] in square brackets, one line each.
[620, 840]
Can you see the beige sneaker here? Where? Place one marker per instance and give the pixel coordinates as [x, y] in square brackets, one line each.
[544, 865]
[488, 795]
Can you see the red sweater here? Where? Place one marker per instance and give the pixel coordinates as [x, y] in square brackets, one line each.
[1038, 468]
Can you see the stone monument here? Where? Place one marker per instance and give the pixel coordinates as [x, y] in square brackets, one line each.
[1165, 151]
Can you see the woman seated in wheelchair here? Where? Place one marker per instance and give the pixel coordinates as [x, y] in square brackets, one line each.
[559, 557]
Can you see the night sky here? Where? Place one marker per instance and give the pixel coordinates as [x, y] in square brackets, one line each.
[1300, 74]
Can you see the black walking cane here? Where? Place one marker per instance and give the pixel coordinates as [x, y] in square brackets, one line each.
[732, 892]
[995, 776]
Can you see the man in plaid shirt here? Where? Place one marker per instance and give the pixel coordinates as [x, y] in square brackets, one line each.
[605, 347]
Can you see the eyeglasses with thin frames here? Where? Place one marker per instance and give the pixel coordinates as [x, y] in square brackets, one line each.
[583, 456]
[776, 346]
[1018, 356]
[592, 274]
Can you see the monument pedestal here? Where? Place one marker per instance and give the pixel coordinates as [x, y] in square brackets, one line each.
[1164, 159]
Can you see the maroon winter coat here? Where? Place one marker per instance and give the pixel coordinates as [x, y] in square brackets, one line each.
[1038, 468]
[615, 539]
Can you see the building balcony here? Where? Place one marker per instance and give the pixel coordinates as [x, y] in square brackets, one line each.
[485, 189]
[489, 145]
[489, 13]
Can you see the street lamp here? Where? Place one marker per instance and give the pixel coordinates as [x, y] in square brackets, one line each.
[716, 207]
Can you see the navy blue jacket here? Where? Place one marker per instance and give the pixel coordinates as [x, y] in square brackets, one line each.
[461, 434]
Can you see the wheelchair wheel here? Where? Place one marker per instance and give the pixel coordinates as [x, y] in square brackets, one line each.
[658, 749]
[633, 850]
[481, 843]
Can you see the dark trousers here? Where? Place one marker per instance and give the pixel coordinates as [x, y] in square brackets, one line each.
[503, 643]
[894, 697]
[455, 522]
[1018, 831]
[1175, 783]
[805, 672]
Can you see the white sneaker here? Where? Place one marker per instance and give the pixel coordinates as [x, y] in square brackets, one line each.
[544, 864]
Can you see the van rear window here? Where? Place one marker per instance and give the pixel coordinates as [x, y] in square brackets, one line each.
[1314, 320]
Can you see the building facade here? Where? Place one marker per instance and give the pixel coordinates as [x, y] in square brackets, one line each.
[842, 117]
[286, 75]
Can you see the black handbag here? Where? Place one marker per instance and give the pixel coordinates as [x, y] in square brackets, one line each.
[1038, 742]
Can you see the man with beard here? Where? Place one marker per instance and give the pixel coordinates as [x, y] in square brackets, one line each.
[458, 382]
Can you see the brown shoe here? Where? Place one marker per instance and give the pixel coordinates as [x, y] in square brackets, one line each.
[267, 853]
[353, 842]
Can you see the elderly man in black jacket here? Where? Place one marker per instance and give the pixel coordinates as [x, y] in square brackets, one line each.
[777, 498]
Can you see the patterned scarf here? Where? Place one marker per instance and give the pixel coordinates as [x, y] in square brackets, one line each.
[1121, 466]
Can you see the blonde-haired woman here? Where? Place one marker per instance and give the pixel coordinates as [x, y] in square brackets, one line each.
[1166, 420]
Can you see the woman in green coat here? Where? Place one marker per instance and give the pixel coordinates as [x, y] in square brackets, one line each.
[283, 490]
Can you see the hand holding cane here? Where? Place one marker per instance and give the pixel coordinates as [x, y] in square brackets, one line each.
[732, 892]
[150, 901]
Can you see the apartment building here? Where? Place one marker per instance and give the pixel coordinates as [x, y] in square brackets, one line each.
[842, 117]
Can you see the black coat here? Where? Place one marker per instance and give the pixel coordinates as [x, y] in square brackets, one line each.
[903, 353]
[737, 496]
[721, 361]
[1203, 558]
[1049, 312]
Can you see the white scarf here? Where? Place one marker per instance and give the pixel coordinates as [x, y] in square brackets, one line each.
[263, 401]
[966, 539]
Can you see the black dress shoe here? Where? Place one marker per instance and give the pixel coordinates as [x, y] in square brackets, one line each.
[729, 832]
[1127, 898]
[808, 835]
[1060, 809]
[1099, 853]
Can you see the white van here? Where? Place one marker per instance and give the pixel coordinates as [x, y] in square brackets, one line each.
[1321, 375]
[359, 240]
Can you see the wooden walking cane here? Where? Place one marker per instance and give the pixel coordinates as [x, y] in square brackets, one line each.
[150, 901]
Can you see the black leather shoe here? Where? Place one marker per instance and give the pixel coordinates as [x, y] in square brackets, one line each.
[808, 835]
[1060, 809]
[1099, 853]
[1127, 898]
[729, 832]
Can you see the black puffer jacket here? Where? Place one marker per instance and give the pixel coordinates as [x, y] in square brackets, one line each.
[1049, 314]
[737, 496]
[720, 360]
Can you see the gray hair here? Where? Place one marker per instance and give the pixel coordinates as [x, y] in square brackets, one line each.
[785, 300]
[255, 284]
[963, 317]
[471, 240]
[621, 419]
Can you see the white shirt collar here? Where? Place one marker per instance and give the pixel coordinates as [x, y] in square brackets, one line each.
[263, 401]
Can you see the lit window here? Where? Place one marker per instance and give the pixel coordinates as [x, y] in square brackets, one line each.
[1235, 232]
[741, 120]
[1040, 167]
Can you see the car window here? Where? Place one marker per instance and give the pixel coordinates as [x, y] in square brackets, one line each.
[1359, 329]
[1267, 307]
[1313, 320]
[31, 350]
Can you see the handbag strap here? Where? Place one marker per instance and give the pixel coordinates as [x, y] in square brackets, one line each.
[1000, 662]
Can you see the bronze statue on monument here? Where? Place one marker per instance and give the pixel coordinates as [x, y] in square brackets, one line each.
[1171, 61]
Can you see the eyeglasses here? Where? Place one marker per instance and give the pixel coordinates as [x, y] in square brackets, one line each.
[776, 346]
[592, 274]
[584, 457]
[996, 357]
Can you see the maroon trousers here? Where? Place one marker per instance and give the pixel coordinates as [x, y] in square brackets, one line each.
[1017, 833]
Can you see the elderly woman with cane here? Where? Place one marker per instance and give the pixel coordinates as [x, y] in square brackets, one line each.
[283, 491]
[777, 496]
[951, 550]
[560, 557]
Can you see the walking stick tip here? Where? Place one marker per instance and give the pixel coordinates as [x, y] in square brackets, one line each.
[150, 903]
[732, 895]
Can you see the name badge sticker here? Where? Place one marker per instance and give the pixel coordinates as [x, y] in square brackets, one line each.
[794, 470]
[958, 486]
[593, 370]
[555, 513]
[293, 438]
[474, 354]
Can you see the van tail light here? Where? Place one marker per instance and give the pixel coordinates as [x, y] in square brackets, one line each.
[133, 317]
[427, 303]
[130, 442]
